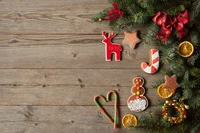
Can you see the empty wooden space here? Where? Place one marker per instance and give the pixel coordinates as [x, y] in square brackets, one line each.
[52, 64]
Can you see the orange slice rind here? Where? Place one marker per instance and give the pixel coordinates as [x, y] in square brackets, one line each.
[164, 92]
[129, 121]
[186, 49]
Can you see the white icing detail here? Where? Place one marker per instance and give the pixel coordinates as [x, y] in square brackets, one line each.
[155, 55]
[137, 105]
[148, 69]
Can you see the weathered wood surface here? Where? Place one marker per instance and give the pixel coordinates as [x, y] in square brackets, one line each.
[57, 119]
[50, 17]
[52, 64]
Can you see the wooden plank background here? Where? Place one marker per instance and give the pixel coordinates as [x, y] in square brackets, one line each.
[52, 64]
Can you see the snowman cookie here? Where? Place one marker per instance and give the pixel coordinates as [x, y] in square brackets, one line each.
[137, 102]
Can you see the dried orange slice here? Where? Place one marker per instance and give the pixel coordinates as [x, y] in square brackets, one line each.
[164, 92]
[129, 121]
[186, 49]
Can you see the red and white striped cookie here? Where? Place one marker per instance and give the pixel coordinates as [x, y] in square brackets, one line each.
[153, 64]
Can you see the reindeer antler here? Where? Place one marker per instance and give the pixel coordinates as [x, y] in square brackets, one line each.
[112, 35]
[104, 34]
[108, 36]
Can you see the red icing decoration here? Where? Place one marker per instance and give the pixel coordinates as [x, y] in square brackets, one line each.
[144, 65]
[111, 47]
[155, 60]
[138, 88]
[137, 97]
[154, 50]
[153, 69]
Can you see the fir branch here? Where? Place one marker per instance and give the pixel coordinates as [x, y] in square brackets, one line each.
[194, 103]
[160, 102]
[194, 11]
[194, 130]
[168, 53]
[195, 72]
[165, 71]
[187, 93]
[195, 36]
[186, 76]
[192, 60]
[157, 83]
[150, 36]
[150, 123]
[100, 15]
[172, 11]
[178, 94]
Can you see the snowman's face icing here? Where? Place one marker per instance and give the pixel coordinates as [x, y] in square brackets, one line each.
[138, 81]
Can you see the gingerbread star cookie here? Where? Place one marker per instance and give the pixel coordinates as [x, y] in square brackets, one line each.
[171, 83]
[131, 39]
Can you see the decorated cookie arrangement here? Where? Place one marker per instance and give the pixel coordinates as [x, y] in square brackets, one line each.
[173, 29]
[137, 102]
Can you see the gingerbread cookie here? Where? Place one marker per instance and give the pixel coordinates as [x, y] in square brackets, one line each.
[131, 39]
[111, 47]
[137, 102]
[171, 83]
[153, 63]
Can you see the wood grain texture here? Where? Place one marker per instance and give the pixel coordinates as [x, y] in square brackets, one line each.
[50, 17]
[52, 64]
[61, 119]
[65, 51]
[69, 95]
[66, 87]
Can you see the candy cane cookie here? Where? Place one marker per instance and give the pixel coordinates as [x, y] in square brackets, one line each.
[153, 63]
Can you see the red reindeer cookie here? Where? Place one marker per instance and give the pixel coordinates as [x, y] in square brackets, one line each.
[111, 47]
[137, 102]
